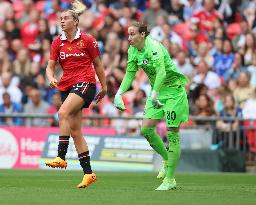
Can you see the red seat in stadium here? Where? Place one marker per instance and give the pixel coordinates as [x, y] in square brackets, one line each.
[233, 30]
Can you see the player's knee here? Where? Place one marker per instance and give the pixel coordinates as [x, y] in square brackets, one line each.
[63, 114]
[147, 132]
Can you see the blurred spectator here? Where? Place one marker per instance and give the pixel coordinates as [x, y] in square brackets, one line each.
[230, 110]
[27, 86]
[157, 31]
[227, 126]
[249, 114]
[43, 34]
[95, 111]
[249, 48]
[36, 106]
[122, 3]
[252, 71]
[45, 92]
[12, 30]
[22, 64]
[195, 91]
[249, 14]
[183, 64]
[30, 29]
[231, 85]
[216, 48]
[196, 37]
[219, 97]
[15, 46]
[220, 33]
[175, 9]
[207, 16]
[108, 109]
[228, 9]
[53, 110]
[190, 7]
[244, 90]
[236, 68]
[139, 102]
[163, 31]
[207, 77]
[203, 53]
[239, 40]
[5, 64]
[53, 9]
[9, 107]
[249, 108]
[224, 60]
[8, 85]
[174, 49]
[173, 37]
[152, 12]
[205, 108]
[23, 13]
[5, 8]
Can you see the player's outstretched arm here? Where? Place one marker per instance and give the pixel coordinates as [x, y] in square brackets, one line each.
[102, 78]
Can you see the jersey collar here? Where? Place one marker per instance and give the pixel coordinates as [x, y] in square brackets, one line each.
[63, 36]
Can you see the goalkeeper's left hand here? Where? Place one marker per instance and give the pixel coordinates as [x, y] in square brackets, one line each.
[154, 97]
[119, 103]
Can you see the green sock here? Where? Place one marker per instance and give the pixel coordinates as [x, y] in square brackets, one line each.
[173, 153]
[155, 141]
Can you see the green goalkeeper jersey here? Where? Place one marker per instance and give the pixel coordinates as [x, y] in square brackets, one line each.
[155, 60]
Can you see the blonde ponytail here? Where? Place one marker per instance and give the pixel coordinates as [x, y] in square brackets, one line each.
[78, 7]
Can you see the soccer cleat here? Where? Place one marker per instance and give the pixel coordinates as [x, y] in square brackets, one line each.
[57, 163]
[167, 184]
[87, 180]
[162, 172]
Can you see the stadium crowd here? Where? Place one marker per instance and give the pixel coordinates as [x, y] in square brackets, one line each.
[212, 42]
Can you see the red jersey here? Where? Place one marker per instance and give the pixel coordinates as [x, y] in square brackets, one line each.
[29, 32]
[207, 19]
[75, 58]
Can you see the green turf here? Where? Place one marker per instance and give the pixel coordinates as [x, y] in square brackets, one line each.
[25, 187]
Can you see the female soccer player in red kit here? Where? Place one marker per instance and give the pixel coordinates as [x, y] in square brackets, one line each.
[78, 55]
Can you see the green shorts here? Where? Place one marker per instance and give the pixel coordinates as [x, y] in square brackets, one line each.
[175, 107]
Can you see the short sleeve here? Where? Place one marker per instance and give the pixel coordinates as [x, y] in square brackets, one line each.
[54, 55]
[93, 48]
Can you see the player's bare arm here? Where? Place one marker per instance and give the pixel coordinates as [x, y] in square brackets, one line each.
[101, 75]
[50, 72]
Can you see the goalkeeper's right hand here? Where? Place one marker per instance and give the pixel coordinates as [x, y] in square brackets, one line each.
[154, 97]
[119, 103]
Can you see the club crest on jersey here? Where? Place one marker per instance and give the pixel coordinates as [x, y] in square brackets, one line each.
[80, 43]
[145, 61]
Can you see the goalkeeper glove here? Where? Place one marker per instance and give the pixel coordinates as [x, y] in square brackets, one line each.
[118, 101]
[156, 103]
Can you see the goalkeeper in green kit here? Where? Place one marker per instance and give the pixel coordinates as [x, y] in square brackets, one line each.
[168, 97]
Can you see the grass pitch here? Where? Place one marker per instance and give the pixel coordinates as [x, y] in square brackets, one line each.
[28, 187]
